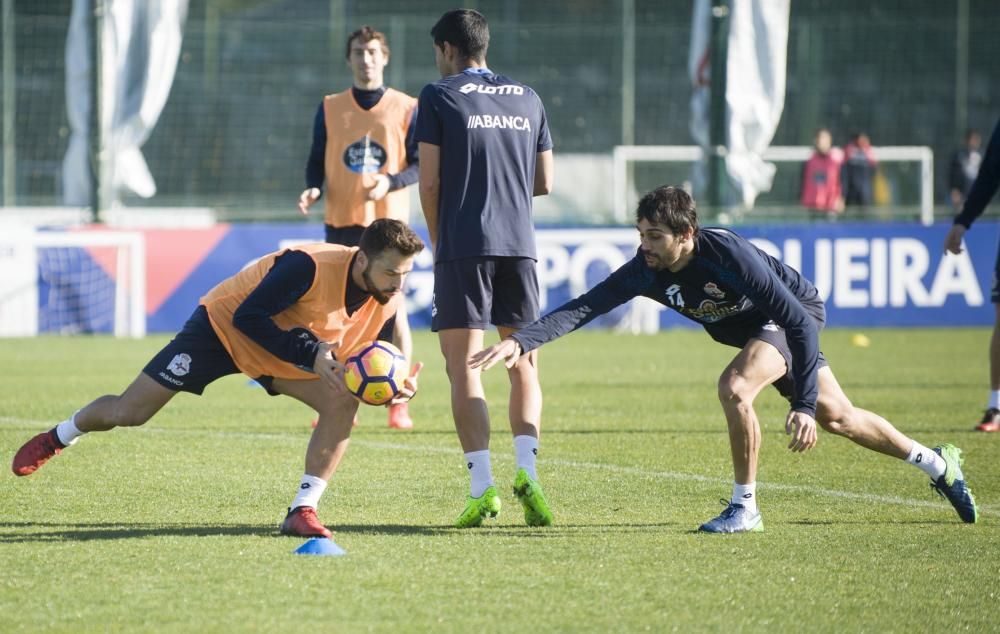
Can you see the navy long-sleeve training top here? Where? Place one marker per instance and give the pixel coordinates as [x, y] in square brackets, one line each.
[985, 185]
[288, 280]
[730, 287]
[316, 165]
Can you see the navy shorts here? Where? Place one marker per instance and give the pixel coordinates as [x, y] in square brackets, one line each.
[774, 334]
[194, 358]
[347, 236]
[478, 292]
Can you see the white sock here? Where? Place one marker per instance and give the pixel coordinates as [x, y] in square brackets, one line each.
[525, 451]
[745, 494]
[310, 491]
[994, 400]
[478, 463]
[928, 461]
[67, 430]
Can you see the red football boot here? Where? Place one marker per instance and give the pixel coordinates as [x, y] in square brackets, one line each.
[991, 420]
[399, 416]
[37, 452]
[302, 522]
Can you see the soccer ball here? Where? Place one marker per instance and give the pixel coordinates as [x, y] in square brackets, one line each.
[375, 372]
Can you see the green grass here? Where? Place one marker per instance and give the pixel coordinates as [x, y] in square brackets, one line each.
[172, 526]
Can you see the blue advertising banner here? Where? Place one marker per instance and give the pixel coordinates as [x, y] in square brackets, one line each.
[869, 274]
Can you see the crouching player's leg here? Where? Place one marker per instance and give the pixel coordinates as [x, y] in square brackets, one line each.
[133, 407]
[943, 463]
[757, 365]
[192, 360]
[336, 410]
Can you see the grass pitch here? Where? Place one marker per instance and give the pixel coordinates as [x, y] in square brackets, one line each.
[173, 526]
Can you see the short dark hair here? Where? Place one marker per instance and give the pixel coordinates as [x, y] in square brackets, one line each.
[466, 30]
[385, 234]
[364, 35]
[669, 206]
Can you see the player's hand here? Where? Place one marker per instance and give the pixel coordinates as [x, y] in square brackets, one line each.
[953, 241]
[802, 428]
[307, 198]
[328, 368]
[380, 188]
[508, 350]
[409, 387]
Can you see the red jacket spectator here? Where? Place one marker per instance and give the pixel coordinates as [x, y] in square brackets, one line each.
[821, 189]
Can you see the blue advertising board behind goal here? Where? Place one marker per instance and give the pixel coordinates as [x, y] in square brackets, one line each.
[869, 274]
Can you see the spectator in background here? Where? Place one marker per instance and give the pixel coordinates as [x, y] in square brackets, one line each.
[984, 187]
[963, 168]
[858, 174]
[821, 190]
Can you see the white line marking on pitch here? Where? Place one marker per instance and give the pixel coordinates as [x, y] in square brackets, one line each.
[575, 464]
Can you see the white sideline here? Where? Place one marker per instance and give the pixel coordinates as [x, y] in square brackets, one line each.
[573, 464]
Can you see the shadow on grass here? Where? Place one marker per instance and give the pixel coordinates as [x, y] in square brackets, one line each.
[41, 532]
[554, 432]
[488, 530]
[860, 522]
[56, 531]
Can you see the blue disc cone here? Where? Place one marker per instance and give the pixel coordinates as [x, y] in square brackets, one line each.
[320, 546]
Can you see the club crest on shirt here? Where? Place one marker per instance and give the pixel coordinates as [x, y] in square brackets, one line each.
[364, 156]
[713, 291]
[180, 364]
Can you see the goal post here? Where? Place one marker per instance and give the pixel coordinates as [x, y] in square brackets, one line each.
[69, 282]
[624, 155]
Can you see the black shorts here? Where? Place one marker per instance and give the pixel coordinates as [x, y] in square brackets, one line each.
[347, 236]
[774, 334]
[194, 358]
[478, 292]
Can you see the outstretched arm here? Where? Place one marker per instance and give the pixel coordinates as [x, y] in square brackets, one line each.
[507, 351]
[625, 283]
[984, 187]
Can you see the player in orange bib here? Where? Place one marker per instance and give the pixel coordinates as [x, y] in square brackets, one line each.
[363, 148]
[289, 321]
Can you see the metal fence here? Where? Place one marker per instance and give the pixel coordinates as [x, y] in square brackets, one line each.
[236, 130]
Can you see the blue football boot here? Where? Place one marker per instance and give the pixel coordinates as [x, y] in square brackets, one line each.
[952, 485]
[735, 519]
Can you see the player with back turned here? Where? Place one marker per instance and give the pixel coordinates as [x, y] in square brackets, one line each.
[485, 150]
[749, 300]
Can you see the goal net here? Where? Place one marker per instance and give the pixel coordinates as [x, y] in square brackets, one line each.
[76, 282]
[906, 172]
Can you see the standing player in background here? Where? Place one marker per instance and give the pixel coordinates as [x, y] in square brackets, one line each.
[288, 322]
[363, 147]
[749, 300]
[983, 189]
[485, 150]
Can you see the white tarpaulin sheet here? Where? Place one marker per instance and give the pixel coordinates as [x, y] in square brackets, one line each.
[755, 90]
[140, 44]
